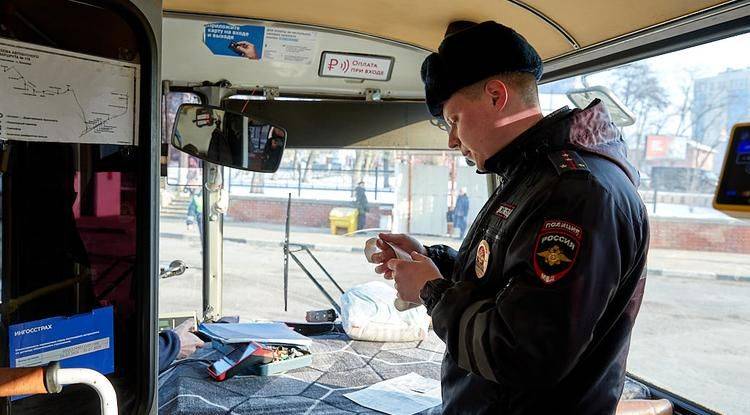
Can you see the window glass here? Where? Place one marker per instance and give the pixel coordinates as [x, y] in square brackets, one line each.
[335, 193]
[691, 335]
[404, 191]
[331, 215]
[74, 245]
[180, 220]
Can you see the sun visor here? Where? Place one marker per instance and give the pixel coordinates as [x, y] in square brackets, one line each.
[353, 124]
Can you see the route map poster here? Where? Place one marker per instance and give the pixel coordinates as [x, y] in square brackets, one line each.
[51, 95]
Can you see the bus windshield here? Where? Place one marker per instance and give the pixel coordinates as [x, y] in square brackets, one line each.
[690, 335]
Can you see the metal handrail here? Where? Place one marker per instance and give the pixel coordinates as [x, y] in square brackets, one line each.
[305, 248]
[51, 379]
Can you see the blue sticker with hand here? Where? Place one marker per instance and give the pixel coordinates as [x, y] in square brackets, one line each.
[238, 41]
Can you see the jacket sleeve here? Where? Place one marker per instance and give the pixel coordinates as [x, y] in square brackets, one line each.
[531, 332]
[169, 348]
[444, 258]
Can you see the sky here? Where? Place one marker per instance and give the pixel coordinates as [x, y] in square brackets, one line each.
[708, 59]
[702, 61]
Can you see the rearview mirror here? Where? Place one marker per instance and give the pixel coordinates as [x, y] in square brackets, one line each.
[620, 114]
[228, 138]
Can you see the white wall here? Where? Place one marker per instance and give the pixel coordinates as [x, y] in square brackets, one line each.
[429, 199]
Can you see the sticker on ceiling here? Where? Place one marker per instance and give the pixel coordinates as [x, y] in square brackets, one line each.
[261, 43]
[355, 66]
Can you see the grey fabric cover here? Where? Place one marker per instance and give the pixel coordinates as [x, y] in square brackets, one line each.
[340, 365]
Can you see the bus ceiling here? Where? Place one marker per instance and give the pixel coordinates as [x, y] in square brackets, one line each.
[572, 37]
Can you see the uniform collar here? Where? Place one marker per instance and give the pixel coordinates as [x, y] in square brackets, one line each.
[539, 138]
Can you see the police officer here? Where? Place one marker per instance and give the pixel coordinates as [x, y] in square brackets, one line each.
[537, 306]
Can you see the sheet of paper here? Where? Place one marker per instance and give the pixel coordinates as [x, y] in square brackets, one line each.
[371, 248]
[52, 95]
[404, 395]
[291, 46]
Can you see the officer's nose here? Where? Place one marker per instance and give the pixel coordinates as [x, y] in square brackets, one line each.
[453, 141]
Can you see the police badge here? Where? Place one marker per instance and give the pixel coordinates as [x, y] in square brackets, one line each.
[556, 249]
[483, 258]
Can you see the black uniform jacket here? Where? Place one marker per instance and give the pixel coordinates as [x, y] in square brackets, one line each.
[537, 306]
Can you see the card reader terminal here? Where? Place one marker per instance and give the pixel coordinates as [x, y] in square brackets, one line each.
[240, 361]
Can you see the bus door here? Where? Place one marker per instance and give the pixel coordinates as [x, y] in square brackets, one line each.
[79, 86]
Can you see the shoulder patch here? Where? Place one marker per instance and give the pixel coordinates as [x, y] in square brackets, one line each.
[556, 249]
[567, 161]
[504, 211]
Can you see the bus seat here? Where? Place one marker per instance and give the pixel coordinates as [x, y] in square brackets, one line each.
[644, 407]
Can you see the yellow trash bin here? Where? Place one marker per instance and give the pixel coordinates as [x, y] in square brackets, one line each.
[343, 217]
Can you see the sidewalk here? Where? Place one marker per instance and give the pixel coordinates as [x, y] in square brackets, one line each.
[273, 235]
[662, 262]
[695, 264]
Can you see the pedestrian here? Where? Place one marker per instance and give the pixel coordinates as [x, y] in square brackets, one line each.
[460, 212]
[360, 201]
[195, 210]
[537, 307]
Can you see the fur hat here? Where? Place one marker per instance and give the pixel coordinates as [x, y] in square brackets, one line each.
[472, 54]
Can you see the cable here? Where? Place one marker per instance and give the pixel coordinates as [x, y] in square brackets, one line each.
[184, 361]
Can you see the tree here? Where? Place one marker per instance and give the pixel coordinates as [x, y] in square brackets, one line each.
[308, 166]
[696, 116]
[364, 162]
[641, 91]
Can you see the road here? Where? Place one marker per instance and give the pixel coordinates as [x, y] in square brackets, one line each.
[691, 335]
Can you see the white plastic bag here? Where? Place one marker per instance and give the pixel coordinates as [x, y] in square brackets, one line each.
[368, 313]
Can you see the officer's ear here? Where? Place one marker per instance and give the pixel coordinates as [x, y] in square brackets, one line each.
[497, 91]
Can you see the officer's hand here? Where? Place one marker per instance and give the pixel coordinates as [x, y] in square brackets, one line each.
[401, 240]
[411, 276]
[189, 342]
